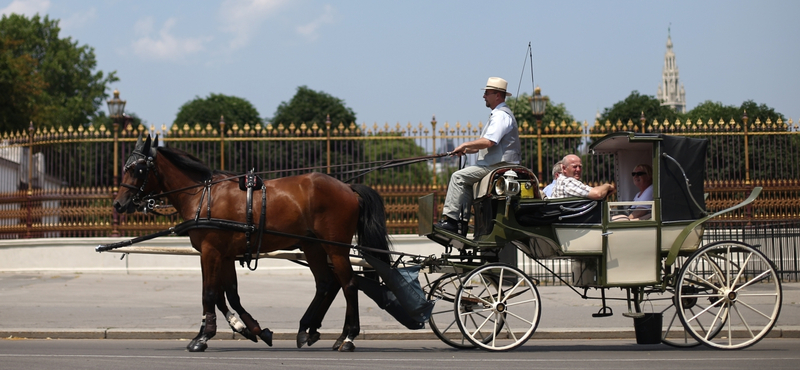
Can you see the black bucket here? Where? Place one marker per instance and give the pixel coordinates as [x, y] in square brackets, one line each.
[648, 328]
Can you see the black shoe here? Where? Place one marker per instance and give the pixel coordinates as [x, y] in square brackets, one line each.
[448, 224]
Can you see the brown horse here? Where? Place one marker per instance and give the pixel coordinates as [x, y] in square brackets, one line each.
[314, 206]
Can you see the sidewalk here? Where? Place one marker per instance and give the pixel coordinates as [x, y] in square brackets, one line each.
[167, 305]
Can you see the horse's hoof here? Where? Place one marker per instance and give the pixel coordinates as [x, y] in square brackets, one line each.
[313, 338]
[249, 335]
[196, 346]
[266, 336]
[337, 345]
[347, 347]
[302, 338]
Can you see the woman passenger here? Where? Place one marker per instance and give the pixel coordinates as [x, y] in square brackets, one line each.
[643, 179]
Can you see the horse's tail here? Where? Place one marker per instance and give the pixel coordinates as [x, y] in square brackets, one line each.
[372, 231]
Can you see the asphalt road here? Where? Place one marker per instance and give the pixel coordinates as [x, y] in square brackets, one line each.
[770, 354]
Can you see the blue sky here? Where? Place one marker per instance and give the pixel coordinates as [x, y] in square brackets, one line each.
[405, 61]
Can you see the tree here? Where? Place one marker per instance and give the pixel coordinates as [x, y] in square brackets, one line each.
[46, 79]
[211, 109]
[715, 111]
[308, 106]
[725, 159]
[634, 106]
[20, 86]
[396, 148]
[553, 149]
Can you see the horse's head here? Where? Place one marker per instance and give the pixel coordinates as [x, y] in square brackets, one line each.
[138, 176]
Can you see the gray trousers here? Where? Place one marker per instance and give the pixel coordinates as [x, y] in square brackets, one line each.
[459, 190]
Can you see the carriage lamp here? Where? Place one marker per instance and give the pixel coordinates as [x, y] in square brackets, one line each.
[507, 185]
[538, 106]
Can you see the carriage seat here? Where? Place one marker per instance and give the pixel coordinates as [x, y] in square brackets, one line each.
[560, 210]
[529, 185]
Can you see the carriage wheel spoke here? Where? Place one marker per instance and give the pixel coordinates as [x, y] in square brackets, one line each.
[714, 266]
[702, 281]
[521, 302]
[758, 278]
[742, 269]
[499, 297]
[700, 325]
[753, 309]
[744, 322]
[520, 318]
[693, 318]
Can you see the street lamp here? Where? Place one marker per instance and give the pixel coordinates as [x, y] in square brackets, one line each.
[538, 106]
[116, 109]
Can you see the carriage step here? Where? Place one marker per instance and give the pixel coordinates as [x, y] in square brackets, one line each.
[604, 312]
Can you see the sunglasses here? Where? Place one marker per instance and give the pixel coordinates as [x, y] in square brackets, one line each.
[634, 174]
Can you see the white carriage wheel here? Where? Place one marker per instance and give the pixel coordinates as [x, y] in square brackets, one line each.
[443, 319]
[735, 293]
[497, 307]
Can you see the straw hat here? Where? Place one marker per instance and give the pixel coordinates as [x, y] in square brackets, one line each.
[497, 83]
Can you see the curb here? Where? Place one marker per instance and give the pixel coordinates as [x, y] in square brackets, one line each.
[179, 334]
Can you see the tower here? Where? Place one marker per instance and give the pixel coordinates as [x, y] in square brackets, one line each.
[670, 93]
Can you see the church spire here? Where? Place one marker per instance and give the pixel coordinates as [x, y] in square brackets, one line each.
[670, 92]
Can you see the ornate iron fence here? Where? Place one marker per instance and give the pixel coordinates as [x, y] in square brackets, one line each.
[60, 182]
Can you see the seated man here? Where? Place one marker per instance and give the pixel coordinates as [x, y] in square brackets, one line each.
[498, 146]
[570, 185]
[548, 190]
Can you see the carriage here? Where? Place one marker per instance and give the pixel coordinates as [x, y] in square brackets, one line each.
[725, 295]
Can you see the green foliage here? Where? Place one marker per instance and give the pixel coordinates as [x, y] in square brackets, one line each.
[20, 86]
[211, 109]
[46, 79]
[716, 111]
[634, 106]
[552, 149]
[553, 112]
[396, 148]
[308, 106]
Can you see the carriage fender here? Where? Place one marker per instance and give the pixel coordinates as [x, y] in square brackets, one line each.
[676, 245]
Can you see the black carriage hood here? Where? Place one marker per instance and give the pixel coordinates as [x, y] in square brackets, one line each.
[676, 196]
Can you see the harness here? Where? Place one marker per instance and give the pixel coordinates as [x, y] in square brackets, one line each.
[248, 182]
[140, 164]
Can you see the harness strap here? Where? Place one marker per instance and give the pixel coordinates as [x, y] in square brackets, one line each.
[249, 210]
[251, 181]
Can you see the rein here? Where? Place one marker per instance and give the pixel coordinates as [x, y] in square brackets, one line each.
[150, 199]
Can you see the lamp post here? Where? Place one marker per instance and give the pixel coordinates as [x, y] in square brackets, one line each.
[746, 151]
[116, 109]
[538, 106]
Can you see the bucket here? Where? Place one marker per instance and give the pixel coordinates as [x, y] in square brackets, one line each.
[648, 328]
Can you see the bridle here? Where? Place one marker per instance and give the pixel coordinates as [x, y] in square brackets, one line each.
[140, 167]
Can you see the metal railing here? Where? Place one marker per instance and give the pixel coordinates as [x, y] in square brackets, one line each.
[60, 182]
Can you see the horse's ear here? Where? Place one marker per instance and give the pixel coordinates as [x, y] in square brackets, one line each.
[155, 146]
[146, 147]
[138, 142]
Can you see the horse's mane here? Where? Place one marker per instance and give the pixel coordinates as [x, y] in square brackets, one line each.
[187, 163]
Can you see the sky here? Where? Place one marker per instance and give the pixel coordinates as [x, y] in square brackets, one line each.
[408, 61]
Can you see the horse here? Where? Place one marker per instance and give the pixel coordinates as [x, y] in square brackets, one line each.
[321, 211]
